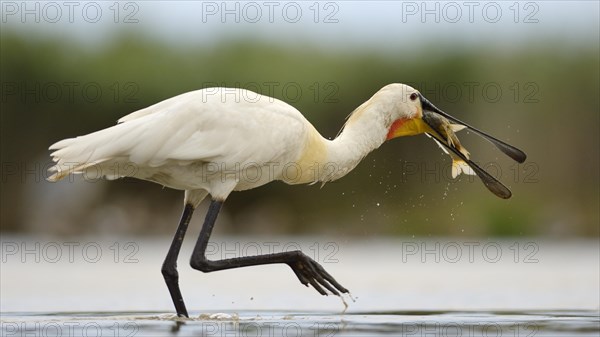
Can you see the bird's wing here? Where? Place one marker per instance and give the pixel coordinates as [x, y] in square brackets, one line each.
[160, 106]
[234, 133]
[189, 129]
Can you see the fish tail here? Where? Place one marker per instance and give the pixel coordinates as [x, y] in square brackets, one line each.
[459, 166]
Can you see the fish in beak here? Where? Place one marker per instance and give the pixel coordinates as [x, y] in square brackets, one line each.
[442, 132]
[442, 127]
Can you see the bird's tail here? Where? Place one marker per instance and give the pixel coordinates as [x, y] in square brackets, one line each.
[94, 151]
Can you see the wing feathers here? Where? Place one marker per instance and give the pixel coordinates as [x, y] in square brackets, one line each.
[186, 129]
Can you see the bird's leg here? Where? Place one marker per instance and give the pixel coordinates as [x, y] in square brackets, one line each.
[306, 269]
[169, 267]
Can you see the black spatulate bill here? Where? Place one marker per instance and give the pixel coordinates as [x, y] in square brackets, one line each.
[511, 151]
[490, 182]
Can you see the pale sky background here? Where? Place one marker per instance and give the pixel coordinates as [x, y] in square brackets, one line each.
[353, 25]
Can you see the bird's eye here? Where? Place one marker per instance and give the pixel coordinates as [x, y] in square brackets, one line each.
[414, 96]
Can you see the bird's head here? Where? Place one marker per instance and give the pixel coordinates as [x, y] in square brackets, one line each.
[406, 113]
[403, 110]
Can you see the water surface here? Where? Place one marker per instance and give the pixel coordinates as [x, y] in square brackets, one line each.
[412, 287]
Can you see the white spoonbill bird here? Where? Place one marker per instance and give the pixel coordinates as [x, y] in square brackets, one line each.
[218, 140]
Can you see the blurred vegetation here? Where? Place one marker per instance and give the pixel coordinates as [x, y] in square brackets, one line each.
[549, 106]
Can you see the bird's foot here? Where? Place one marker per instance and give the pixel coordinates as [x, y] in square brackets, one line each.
[311, 272]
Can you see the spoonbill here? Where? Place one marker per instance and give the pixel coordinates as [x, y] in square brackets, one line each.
[218, 140]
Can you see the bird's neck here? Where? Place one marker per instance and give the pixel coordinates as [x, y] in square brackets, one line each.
[364, 132]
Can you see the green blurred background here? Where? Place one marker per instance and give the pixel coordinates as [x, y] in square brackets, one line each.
[65, 79]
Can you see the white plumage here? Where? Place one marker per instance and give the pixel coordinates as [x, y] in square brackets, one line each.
[166, 142]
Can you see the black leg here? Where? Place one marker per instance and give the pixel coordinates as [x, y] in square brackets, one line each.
[169, 267]
[306, 269]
